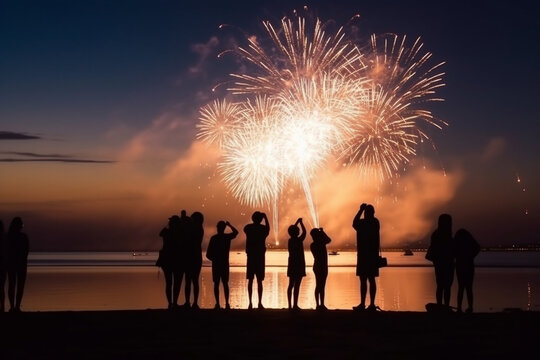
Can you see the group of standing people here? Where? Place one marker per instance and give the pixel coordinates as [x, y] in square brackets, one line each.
[453, 254]
[296, 264]
[181, 255]
[181, 258]
[14, 247]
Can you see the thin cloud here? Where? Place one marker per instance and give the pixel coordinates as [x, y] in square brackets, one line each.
[9, 135]
[495, 147]
[31, 154]
[35, 157]
[80, 161]
[204, 50]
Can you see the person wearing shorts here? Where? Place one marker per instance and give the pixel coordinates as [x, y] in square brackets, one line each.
[218, 252]
[256, 234]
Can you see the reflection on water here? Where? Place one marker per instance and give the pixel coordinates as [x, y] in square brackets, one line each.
[141, 287]
[279, 258]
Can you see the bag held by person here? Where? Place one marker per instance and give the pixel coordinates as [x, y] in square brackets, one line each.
[161, 259]
[429, 253]
[381, 261]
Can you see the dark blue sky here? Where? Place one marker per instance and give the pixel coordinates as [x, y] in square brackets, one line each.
[79, 61]
[72, 70]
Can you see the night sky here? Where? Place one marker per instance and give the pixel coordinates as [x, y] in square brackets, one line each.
[99, 102]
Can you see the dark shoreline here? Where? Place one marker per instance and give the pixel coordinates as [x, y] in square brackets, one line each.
[267, 334]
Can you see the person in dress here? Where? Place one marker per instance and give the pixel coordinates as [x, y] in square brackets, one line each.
[296, 266]
[194, 258]
[218, 252]
[466, 250]
[441, 252]
[367, 253]
[320, 264]
[182, 254]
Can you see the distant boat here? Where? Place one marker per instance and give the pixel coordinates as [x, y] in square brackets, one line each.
[138, 253]
[408, 252]
[333, 253]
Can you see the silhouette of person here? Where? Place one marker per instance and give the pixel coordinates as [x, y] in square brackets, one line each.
[441, 253]
[182, 253]
[367, 253]
[466, 250]
[296, 267]
[194, 258]
[218, 252]
[256, 234]
[2, 267]
[320, 264]
[169, 262]
[16, 261]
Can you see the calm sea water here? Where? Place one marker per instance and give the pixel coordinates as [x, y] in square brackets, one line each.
[110, 281]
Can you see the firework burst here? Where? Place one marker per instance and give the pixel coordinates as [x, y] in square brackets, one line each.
[313, 94]
[218, 122]
[387, 135]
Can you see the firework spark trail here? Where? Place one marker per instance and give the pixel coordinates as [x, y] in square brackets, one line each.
[300, 54]
[313, 94]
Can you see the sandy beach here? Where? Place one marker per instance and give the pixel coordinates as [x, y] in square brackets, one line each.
[267, 334]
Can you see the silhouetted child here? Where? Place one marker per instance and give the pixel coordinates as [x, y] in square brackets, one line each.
[168, 260]
[320, 263]
[2, 267]
[194, 258]
[16, 261]
[218, 252]
[466, 250]
[296, 268]
[441, 253]
[367, 253]
[256, 234]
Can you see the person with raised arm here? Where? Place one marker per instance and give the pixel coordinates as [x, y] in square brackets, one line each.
[367, 253]
[320, 264]
[296, 266]
[256, 234]
[168, 261]
[218, 252]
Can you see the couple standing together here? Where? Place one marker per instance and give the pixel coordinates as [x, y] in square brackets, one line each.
[451, 254]
[181, 257]
[218, 252]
